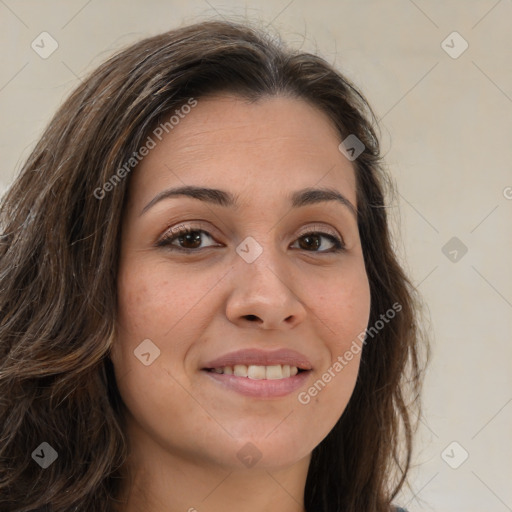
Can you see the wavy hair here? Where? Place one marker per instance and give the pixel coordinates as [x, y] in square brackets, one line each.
[59, 251]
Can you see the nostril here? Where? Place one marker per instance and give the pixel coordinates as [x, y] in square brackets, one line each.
[251, 317]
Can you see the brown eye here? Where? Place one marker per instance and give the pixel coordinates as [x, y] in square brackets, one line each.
[312, 241]
[188, 239]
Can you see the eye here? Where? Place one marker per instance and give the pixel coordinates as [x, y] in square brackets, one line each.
[313, 240]
[189, 239]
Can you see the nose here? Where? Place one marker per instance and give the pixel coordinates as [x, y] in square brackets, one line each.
[263, 297]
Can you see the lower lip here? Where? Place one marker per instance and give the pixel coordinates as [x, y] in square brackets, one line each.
[261, 388]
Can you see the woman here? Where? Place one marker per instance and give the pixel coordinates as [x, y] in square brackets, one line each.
[201, 308]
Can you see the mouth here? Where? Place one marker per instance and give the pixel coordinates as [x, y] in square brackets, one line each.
[262, 381]
[258, 372]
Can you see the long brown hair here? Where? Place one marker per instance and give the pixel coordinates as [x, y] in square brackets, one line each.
[59, 249]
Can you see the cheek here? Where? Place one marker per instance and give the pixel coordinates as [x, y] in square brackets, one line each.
[149, 308]
[344, 310]
[152, 299]
[140, 304]
[134, 303]
[342, 306]
[159, 303]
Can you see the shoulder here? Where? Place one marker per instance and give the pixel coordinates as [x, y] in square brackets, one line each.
[398, 509]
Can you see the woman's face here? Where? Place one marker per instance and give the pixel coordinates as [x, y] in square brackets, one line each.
[259, 287]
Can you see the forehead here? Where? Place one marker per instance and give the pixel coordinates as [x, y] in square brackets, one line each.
[273, 146]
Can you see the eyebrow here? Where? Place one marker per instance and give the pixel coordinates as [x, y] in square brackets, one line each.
[298, 199]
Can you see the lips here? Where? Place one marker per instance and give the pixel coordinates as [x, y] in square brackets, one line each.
[258, 357]
[259, 389]
[258, 373]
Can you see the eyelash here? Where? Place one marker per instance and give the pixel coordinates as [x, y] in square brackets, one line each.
[166, 241]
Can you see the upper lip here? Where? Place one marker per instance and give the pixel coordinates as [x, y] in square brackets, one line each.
[261, 357]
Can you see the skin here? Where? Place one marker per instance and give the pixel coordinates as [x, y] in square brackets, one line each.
[184, 429]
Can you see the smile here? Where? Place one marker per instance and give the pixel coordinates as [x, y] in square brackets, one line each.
[273, 372]
[274, 384]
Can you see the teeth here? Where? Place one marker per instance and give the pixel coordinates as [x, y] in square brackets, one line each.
[240, 370]
[256, 372]
[274, 372]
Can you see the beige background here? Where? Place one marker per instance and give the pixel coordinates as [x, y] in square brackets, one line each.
[446, 128]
